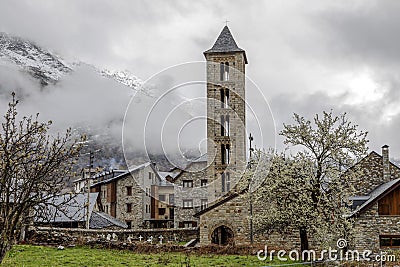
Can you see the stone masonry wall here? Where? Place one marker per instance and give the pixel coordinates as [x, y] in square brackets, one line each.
[197, 193]
[369, 225]
[372, 167]
[233, 214]
[73, 236]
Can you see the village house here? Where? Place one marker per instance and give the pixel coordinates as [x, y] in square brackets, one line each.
[162, 207]
[377, 204]
[70, 211]
[127, 196]
[191, 194]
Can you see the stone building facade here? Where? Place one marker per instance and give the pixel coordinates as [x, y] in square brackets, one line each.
[191, 194]
[226, 219]
[226, 118]
[127, 196]
[377, 207]
[377, 170]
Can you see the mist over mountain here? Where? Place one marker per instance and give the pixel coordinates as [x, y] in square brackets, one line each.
[90, 100]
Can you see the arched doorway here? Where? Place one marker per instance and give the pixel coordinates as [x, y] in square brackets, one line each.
[222, 235]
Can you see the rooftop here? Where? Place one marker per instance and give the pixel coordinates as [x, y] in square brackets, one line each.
[225, 43]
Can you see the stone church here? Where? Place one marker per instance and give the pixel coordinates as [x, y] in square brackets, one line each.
[226, 218]
[376, 210]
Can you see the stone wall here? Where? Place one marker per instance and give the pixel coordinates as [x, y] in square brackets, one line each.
[232, 214]
[195, 173]
[75, 236]
[372, 168]
[369, 225]
[136, 200]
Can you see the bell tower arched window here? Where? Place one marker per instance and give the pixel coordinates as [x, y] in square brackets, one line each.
[225, 125]
[224, 71]
[225, 154]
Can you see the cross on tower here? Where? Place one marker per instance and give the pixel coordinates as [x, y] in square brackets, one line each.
[226, 22]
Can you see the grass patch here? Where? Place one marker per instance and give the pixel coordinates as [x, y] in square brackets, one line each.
[27, 255]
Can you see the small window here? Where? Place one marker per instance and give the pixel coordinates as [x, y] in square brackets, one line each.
[171, 199]
[161, 198]
[223, 182]
[225, 154]
[187, 183]
[203, 182]
[228, 181]
[129, 223]
[203, 204]
[188, 203]
[129, 207]
[129, 190]
[389, 241]
[224, 125]
[161, 211]
[224, 71]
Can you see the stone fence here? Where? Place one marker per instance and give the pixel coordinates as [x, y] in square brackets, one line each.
[76, 236]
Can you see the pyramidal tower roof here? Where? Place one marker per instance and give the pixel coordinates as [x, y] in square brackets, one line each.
[225, 44]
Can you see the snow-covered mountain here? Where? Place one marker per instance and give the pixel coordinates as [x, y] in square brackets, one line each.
[49, 67]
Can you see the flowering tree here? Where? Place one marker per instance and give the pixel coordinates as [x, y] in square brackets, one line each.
[310, 189]
[33, 168]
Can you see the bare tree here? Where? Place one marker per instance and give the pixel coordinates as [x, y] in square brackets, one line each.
[310, 189]
[33, 169]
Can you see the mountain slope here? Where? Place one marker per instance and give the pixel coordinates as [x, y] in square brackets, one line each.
[48, 67]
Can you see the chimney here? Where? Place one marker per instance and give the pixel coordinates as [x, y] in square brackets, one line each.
[386, 163]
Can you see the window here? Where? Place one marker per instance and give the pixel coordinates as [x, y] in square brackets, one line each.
[147, 191]
[106, 209]
[203, 182]
[389, 241]
[224, 98]
[188, 203]
[224, 71]
[187, 183]
[129, 223]
[224, 125]
[171, 199]
[225, 155]
[161, 211]
[161, 198]
[151, 177]
[147, 208]
[228, 181]
[129, 207]
[225, 182]
[129, 190]
[222, 182]
[203, 204]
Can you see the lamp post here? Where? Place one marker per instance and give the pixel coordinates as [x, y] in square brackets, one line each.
[91, 157]
[250, 193]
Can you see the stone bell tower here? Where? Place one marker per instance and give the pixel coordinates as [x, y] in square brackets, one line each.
[226, 114]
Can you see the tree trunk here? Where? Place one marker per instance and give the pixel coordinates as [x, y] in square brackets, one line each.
[3, 250]
[303, 239]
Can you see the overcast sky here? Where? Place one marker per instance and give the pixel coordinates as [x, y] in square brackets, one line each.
[305, 56]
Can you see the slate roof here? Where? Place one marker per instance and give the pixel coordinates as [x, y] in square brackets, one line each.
[123, 174]
[68, 208]
[227, 198]
[225, 44]
[377, 194]
[100, 220]
[163, 176]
